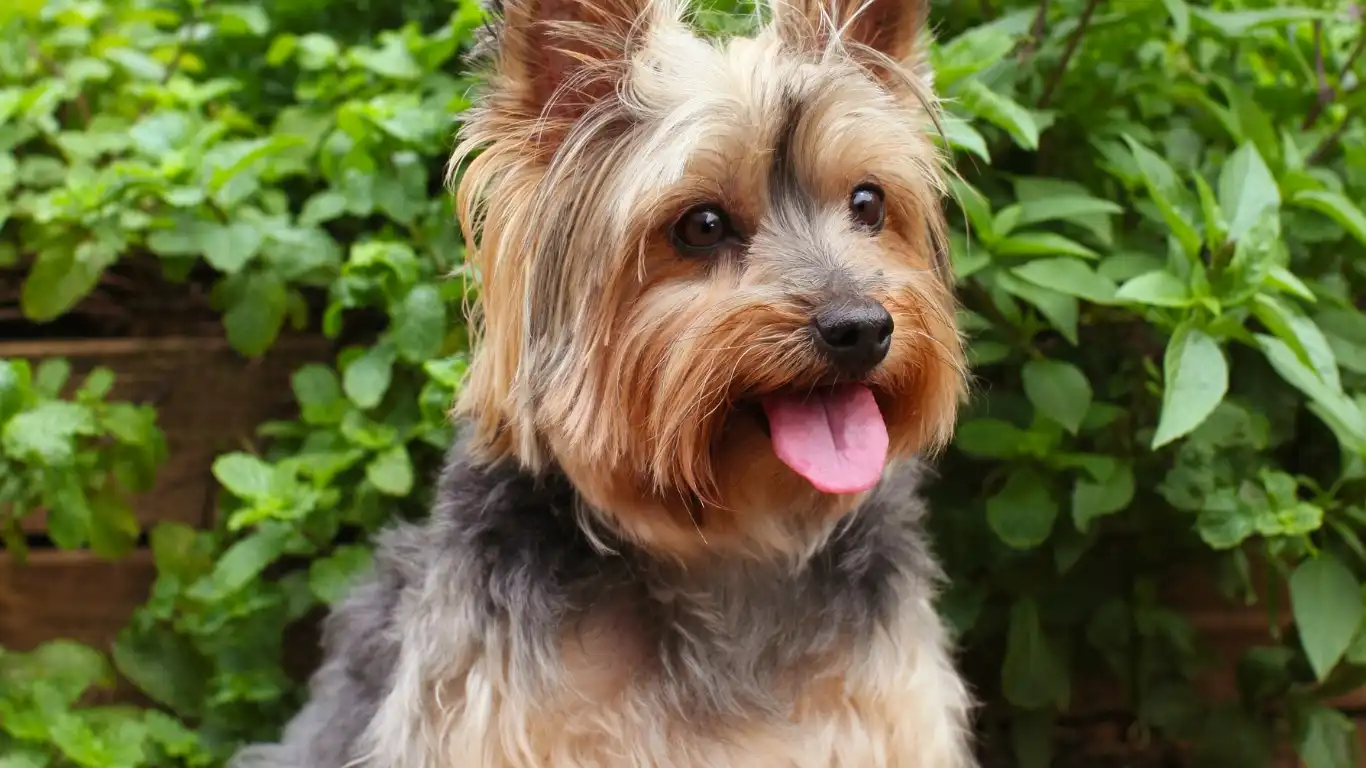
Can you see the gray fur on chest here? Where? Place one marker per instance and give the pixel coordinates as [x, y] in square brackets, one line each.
[509, 554]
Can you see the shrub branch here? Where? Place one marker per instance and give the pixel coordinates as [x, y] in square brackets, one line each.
[1067, 53]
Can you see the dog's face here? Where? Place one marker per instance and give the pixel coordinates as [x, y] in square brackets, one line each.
[715, 290]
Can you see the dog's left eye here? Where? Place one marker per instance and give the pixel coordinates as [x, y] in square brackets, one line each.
[702, 228]
[868, 206]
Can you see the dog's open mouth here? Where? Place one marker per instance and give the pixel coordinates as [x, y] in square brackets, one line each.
[835, 437]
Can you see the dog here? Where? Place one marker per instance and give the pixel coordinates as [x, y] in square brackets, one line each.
[680, 525]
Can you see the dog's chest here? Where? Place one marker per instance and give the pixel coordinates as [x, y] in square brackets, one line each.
[899, 706]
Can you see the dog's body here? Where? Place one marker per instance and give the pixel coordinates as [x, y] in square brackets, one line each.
[498, 634]
[680, 530]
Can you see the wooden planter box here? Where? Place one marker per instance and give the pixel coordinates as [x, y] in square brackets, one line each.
[209, 400]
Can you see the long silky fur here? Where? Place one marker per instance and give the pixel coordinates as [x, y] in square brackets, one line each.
[618, 572]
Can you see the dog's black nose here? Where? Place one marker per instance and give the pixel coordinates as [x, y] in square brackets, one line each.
[855, 335]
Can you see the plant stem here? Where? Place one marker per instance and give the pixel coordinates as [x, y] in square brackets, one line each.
[1325, 91]
[1036, 32]
[1328, 141]
[1068, 52]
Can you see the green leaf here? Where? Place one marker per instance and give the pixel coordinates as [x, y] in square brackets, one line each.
[1239, 23]
[331, 578]
[391, 471]
[97, 384]
[1041, 198]
[1068, 276]
[319, 394]
[1164, 187]
[1285, 281]
[61, 276]
[392, 59]
[68, 509]
[961, 135]
[1060, 309]
[1022, 513]
[1001, 111]
[1195, 380]
[46, 433]
[1336, 207]
[113, 526]
[1301, 335]
[16, 387]
[1326, 600]
[1005, 220]
[1216, 224]
[420, 324]
[1159, 288]
[232, 246]
[242, 562]
[1041, 244]
[165, 666]
[1181, 19]
[1064, 208]
[976, 207]
[1344, 329]
[1034, 675]
[1328, 739]
[253, 323]
[315, 385]
[970, 53]
[245, 475]
[1247, 190]
[367, 378]
[990, 438]
[1059, 391]
[1094, 500]
[322, 207]
[51, 376]
[1330, 404]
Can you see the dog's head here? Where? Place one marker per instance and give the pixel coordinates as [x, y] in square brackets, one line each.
[715, 290]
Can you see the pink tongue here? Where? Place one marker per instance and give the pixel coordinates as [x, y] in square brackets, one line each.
[836, 439]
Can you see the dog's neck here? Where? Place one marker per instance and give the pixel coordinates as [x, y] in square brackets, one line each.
[537, 568]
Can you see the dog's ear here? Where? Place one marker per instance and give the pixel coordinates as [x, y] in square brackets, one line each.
[889, 28]
[556, 59]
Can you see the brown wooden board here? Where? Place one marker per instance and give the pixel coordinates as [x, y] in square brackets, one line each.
[209, 399]
[70, 595]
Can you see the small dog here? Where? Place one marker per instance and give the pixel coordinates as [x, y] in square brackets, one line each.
[680, 527]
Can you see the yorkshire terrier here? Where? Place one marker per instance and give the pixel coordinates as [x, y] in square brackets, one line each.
[680, 527]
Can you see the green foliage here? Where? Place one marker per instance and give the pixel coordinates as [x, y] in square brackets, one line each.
[77, 458]
[40, 726]
[1160, 257]
[1160, 263]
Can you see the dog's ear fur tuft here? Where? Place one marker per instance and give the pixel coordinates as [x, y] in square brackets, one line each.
[556, 59]
[888, 28]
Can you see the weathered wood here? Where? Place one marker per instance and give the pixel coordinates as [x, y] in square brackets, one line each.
[209, 399]
[70, 595]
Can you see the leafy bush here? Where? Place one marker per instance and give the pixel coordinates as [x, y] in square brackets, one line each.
[1160, 258]
[76, 459]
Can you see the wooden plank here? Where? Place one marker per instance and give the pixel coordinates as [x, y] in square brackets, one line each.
[209, 399]
[70, 595]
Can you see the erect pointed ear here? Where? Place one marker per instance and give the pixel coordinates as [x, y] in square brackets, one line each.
[558, 58]
[888, 27]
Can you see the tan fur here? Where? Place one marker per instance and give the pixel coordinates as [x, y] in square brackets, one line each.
[688, 121]
[605, 354]
[897, 705]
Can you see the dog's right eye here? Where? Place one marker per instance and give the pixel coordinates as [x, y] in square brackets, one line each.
[702, 228]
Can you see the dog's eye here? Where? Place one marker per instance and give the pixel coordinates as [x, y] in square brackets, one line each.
[702, 228]
[868, 206]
